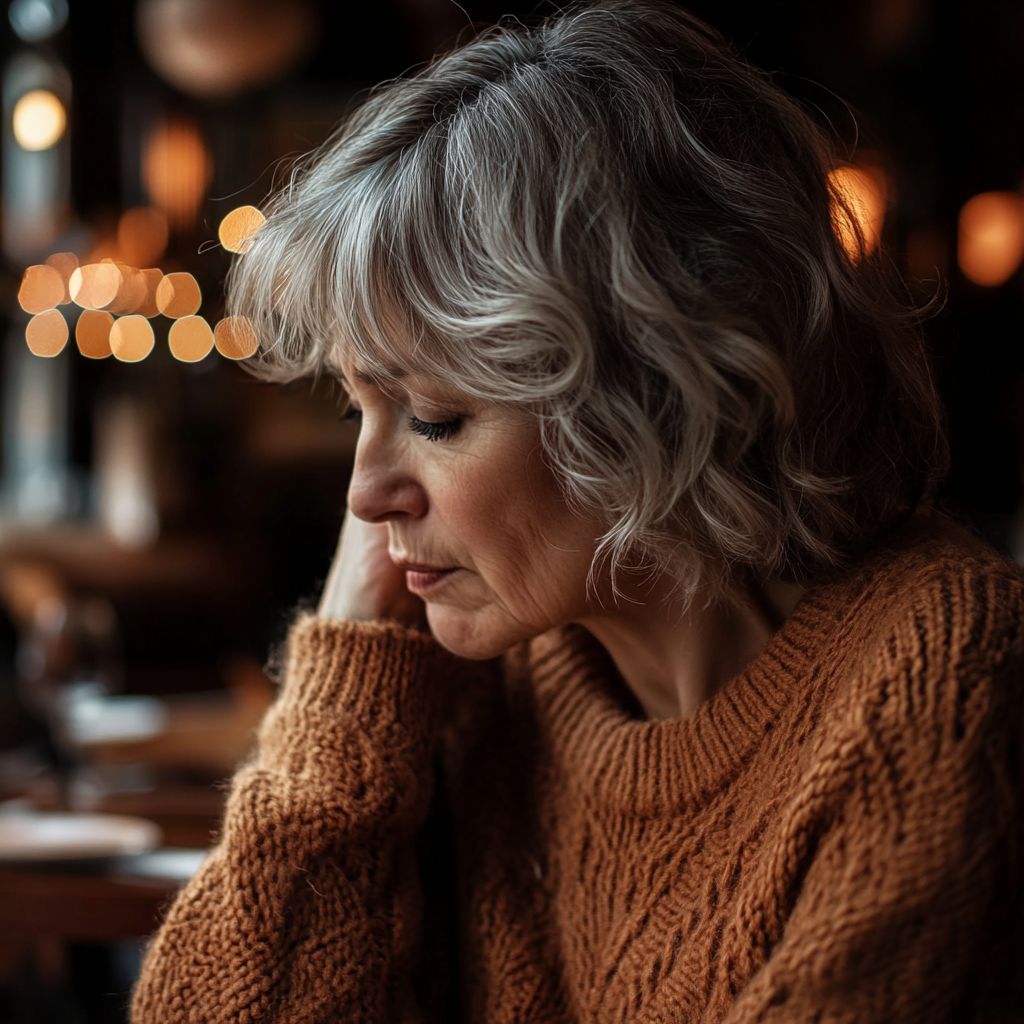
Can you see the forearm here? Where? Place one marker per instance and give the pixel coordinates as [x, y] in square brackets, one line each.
[307, 909]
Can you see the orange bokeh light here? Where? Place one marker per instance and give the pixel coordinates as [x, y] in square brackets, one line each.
[142, 235]
[65, 263]
[42, 288]
[865, 190]
[235, 338]
[93, 333]
[178, 295]
[47, 333]
[131, 293]
[238, 227]
[131, 338]
[990, 243]
[148, 307]
[177, 170]
[95, 285]
[190, 339]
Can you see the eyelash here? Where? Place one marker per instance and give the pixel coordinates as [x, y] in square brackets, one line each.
[443, 431]
[440, 431]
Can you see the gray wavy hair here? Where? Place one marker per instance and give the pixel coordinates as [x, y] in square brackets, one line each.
[614, 221]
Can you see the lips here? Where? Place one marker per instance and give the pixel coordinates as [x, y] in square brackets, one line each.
[422, 579]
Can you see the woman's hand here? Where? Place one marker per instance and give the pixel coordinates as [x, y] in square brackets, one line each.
[364, 584]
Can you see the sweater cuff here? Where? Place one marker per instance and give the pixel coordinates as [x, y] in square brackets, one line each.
[381, 674]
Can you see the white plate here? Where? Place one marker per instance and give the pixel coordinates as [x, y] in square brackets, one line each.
[46, 836]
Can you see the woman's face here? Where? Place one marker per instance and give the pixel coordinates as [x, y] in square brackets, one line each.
[474, 515]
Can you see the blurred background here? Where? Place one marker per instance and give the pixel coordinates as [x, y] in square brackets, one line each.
[162, 514]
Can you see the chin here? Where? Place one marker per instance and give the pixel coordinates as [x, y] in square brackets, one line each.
[467, 636]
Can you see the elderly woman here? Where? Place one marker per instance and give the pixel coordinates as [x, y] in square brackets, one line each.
[644, 686]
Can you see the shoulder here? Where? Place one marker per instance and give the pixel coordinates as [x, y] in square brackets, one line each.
[931, 660]
[934, 555]
[933, 590]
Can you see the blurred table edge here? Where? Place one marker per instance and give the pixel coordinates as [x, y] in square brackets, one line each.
[119, 898]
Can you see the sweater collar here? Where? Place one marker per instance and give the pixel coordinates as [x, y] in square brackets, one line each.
[670, 765]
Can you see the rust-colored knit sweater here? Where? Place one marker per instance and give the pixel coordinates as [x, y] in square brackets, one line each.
[829, 838]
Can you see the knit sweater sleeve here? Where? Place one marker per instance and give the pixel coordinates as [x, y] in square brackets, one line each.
[307, 909]
[897, 865]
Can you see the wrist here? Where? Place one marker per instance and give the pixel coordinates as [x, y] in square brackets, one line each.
[378, 672]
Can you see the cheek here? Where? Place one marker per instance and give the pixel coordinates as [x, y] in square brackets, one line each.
[483, 503]
[505, 514]
[537, 561]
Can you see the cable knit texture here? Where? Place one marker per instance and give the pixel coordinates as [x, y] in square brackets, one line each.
[829, 838]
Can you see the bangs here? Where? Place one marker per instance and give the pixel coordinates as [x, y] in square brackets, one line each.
[315, 278]
[411, 263]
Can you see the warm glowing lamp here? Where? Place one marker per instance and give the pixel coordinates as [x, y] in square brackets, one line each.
[990, 244]
[39, 120]
[235, 338]
[177, 169]
[47, 333]
[865, 192]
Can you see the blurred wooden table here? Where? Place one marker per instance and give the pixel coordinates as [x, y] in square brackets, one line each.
[61, 903]
[50, 911]
[188, 815]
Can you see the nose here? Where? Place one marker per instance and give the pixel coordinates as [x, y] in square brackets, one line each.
[384, 484]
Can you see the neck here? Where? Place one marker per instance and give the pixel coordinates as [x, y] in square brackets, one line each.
[674, 658]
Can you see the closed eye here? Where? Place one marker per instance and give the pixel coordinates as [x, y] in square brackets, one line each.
[442, 431]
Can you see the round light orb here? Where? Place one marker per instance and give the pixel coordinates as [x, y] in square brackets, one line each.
[865, 191]
[47, 333]
[235, 338]
[178, 295]
[131, 338]
[190, 339]
[238, 227]
[39, 120]
[41, 289]
[95, 285]
[218, 48]
[93, 333]
[36, 20]
[990, 240]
